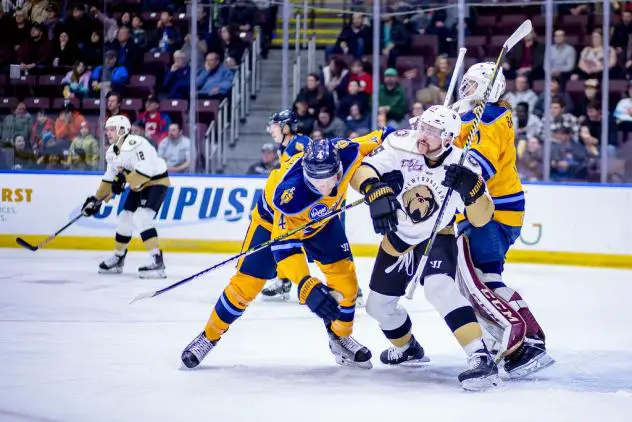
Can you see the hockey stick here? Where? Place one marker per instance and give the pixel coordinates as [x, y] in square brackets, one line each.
[148, 295]
[43, 243]
[519, 34]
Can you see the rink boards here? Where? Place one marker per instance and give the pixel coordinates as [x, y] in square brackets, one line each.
[576, 224]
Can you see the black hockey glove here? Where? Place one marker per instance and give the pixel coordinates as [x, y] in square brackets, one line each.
[118, 184]
[318, 298]
[383, 206]
[91, 206]
[463, 180]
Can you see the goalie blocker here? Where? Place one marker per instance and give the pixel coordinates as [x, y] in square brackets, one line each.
[499, 319]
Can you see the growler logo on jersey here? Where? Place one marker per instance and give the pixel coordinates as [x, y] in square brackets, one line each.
[318, 211]
[420, 203]
[287, 195]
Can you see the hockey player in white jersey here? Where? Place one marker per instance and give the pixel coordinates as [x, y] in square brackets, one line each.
[133, 161]
[427, 161]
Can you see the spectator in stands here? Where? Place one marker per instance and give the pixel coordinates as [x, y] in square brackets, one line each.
[41, 125]
[232, 47]
[36, 10]
[138, 128]
[354, 39]
[563, 56]
[7, 49]
[568, 157]
[354, 96]
[92, 52]
[269, 161]
[176, 150]
[110, 72]
[442, 30]
[68, 125]
[335, 77]
[305, 120]
[330, 127]
[530, 159]
[392, 99]
[128, 54]
[317, 134]
[623, 112]
[65, 51]
[315, 95]
[430, 95]
[365, 79]
[382, 120]
[178, 80]
[20, 30]
[526, 124]
[213, 80]
[86, 143]
[23, 157]
[269, 10]
[417, 109]
[156, 122]
[395, 39]
[591, 93]
[242, 15]
[79, 26]
[356, 121]
[590, 63]
[35, 53]
[79, 162]
[52, 22]
[76, 83]
[561, 119]
[621, 33]
[526, 58]
[113, 105]
[202, 49]
[592, 120]
[167, 37]
[439, 75]
[18, 123]
[138, 33]
[556, 91]
[110, 26]
[522, 93]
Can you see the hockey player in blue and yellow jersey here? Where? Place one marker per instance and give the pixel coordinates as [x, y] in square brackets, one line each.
[494, 149]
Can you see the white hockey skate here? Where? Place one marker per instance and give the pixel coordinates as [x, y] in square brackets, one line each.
[156, 269]
[197, 350]
[482, 372]
[277, 289]
[113, 265]
[348, 352]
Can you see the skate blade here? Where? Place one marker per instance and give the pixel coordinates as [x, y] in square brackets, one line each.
[116, 270]
[342, 361]
[536, 365]
[152, 274]
[360, 303]
[482, 384]
[277, 298]
[414, 363]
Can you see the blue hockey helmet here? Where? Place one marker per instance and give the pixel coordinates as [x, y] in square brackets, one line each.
[322, 168]
[285, 117]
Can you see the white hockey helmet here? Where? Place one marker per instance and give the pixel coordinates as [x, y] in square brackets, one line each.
[121, 124]
[447, 121]
[477, 79]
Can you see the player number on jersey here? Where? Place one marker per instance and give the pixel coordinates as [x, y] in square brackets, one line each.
[345, 247]
[140, 155]
[282, 223]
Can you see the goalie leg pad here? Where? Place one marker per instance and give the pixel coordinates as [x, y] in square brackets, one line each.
[511, 327]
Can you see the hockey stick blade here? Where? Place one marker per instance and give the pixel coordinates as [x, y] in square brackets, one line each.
[25, 244]
[142, 296]
[522, 31]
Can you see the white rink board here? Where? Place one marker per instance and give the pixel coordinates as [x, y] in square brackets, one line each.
[560, 218]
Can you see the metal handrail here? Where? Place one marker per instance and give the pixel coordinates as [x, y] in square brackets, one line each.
[235, 108]
[311, 54]
[210, 147]
[224, 125]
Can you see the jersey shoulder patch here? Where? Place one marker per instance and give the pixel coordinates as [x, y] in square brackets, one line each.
[291, 195]
[132, 142]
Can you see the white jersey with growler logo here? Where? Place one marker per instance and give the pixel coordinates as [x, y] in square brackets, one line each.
[135, 153]
[422, 193]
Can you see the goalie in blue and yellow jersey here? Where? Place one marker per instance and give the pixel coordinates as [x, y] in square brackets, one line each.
[494, 149]
[254, 270]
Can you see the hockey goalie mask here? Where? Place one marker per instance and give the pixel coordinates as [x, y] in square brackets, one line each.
[436, 129]
[475, 83]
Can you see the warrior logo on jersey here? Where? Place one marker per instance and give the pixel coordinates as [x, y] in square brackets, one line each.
[420, 203]
[287, 195]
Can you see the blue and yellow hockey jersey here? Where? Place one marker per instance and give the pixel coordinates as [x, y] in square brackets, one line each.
[494, 149]
[295, 204]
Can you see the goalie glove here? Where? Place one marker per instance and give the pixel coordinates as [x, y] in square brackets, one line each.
[91, 206]
[118, 184]
[463, 180]
[383, 205]
[318, 298]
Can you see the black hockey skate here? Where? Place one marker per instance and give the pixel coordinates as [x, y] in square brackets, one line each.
[197, 350]
[482, 372]
[529, 358]
[113, 265]
[154, 270]
[278, 289]
[411, 356]
[348, 352]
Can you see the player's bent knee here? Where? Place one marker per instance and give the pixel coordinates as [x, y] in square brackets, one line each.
[380, 307]
[243, 289]
[442, 293]
[125, 223]
[145, 218]
[341, 276]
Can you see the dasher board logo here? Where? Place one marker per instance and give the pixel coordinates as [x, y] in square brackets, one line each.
[11, 199]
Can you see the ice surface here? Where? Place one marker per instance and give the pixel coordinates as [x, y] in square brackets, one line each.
[73, 349]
